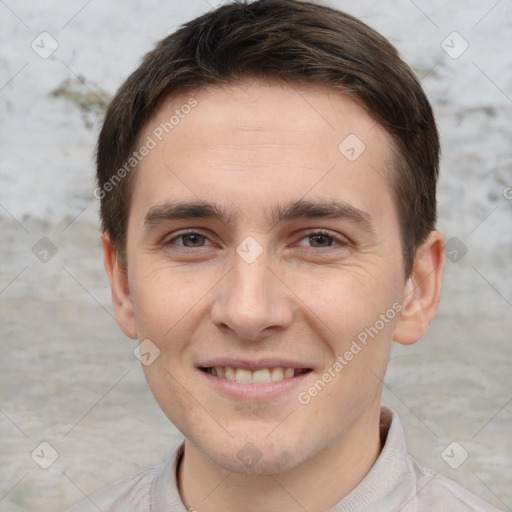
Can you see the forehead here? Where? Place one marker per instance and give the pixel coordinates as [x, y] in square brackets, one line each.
[254, 107]
[248, 143]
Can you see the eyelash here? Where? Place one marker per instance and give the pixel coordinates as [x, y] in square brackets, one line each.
[338, 240]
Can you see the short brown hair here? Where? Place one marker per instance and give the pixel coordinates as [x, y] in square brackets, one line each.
[279, 40]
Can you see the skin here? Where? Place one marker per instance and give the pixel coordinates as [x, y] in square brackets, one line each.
[250, 148]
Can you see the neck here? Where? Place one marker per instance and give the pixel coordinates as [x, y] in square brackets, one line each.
[316, 485]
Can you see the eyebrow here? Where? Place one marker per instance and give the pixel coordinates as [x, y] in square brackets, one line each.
[186, 210]
[333, 209]
[293, 210]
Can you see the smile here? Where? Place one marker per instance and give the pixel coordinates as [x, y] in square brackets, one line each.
[259, 376]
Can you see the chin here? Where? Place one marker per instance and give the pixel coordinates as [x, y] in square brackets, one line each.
[254, 455]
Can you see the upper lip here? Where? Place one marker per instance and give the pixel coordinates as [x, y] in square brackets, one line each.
[246, 364]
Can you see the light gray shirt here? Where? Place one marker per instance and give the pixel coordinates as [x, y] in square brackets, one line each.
[396, 482]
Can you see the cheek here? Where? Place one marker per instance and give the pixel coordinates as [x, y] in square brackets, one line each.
[165, 296]
[344, 301]
[167, 387]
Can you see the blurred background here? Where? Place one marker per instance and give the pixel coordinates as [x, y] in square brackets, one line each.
[68, 375]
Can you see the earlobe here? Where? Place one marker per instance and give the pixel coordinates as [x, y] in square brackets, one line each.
[422, 291]
[121, 298]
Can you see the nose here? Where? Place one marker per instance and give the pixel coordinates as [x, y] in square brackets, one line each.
[251, 302]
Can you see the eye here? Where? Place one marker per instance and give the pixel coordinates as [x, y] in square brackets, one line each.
[320, 240]
[189, 240]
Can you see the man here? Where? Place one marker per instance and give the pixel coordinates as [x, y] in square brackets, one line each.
[267, 181]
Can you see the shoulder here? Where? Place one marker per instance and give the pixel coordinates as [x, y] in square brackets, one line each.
[402, 483]
[437, 492]
[133, 493]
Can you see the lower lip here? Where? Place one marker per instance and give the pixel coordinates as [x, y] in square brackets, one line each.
[254, 391]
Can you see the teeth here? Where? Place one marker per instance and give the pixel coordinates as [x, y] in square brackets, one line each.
[243, 376]
[288, 373]
[229, 373]
[277, 374]
[261, 376]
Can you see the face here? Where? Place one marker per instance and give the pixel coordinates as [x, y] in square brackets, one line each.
[263, 247]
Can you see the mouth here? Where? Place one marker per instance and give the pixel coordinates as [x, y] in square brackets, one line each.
[257, 376]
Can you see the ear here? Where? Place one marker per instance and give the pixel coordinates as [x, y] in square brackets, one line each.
[422, 291]
[121, 298]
